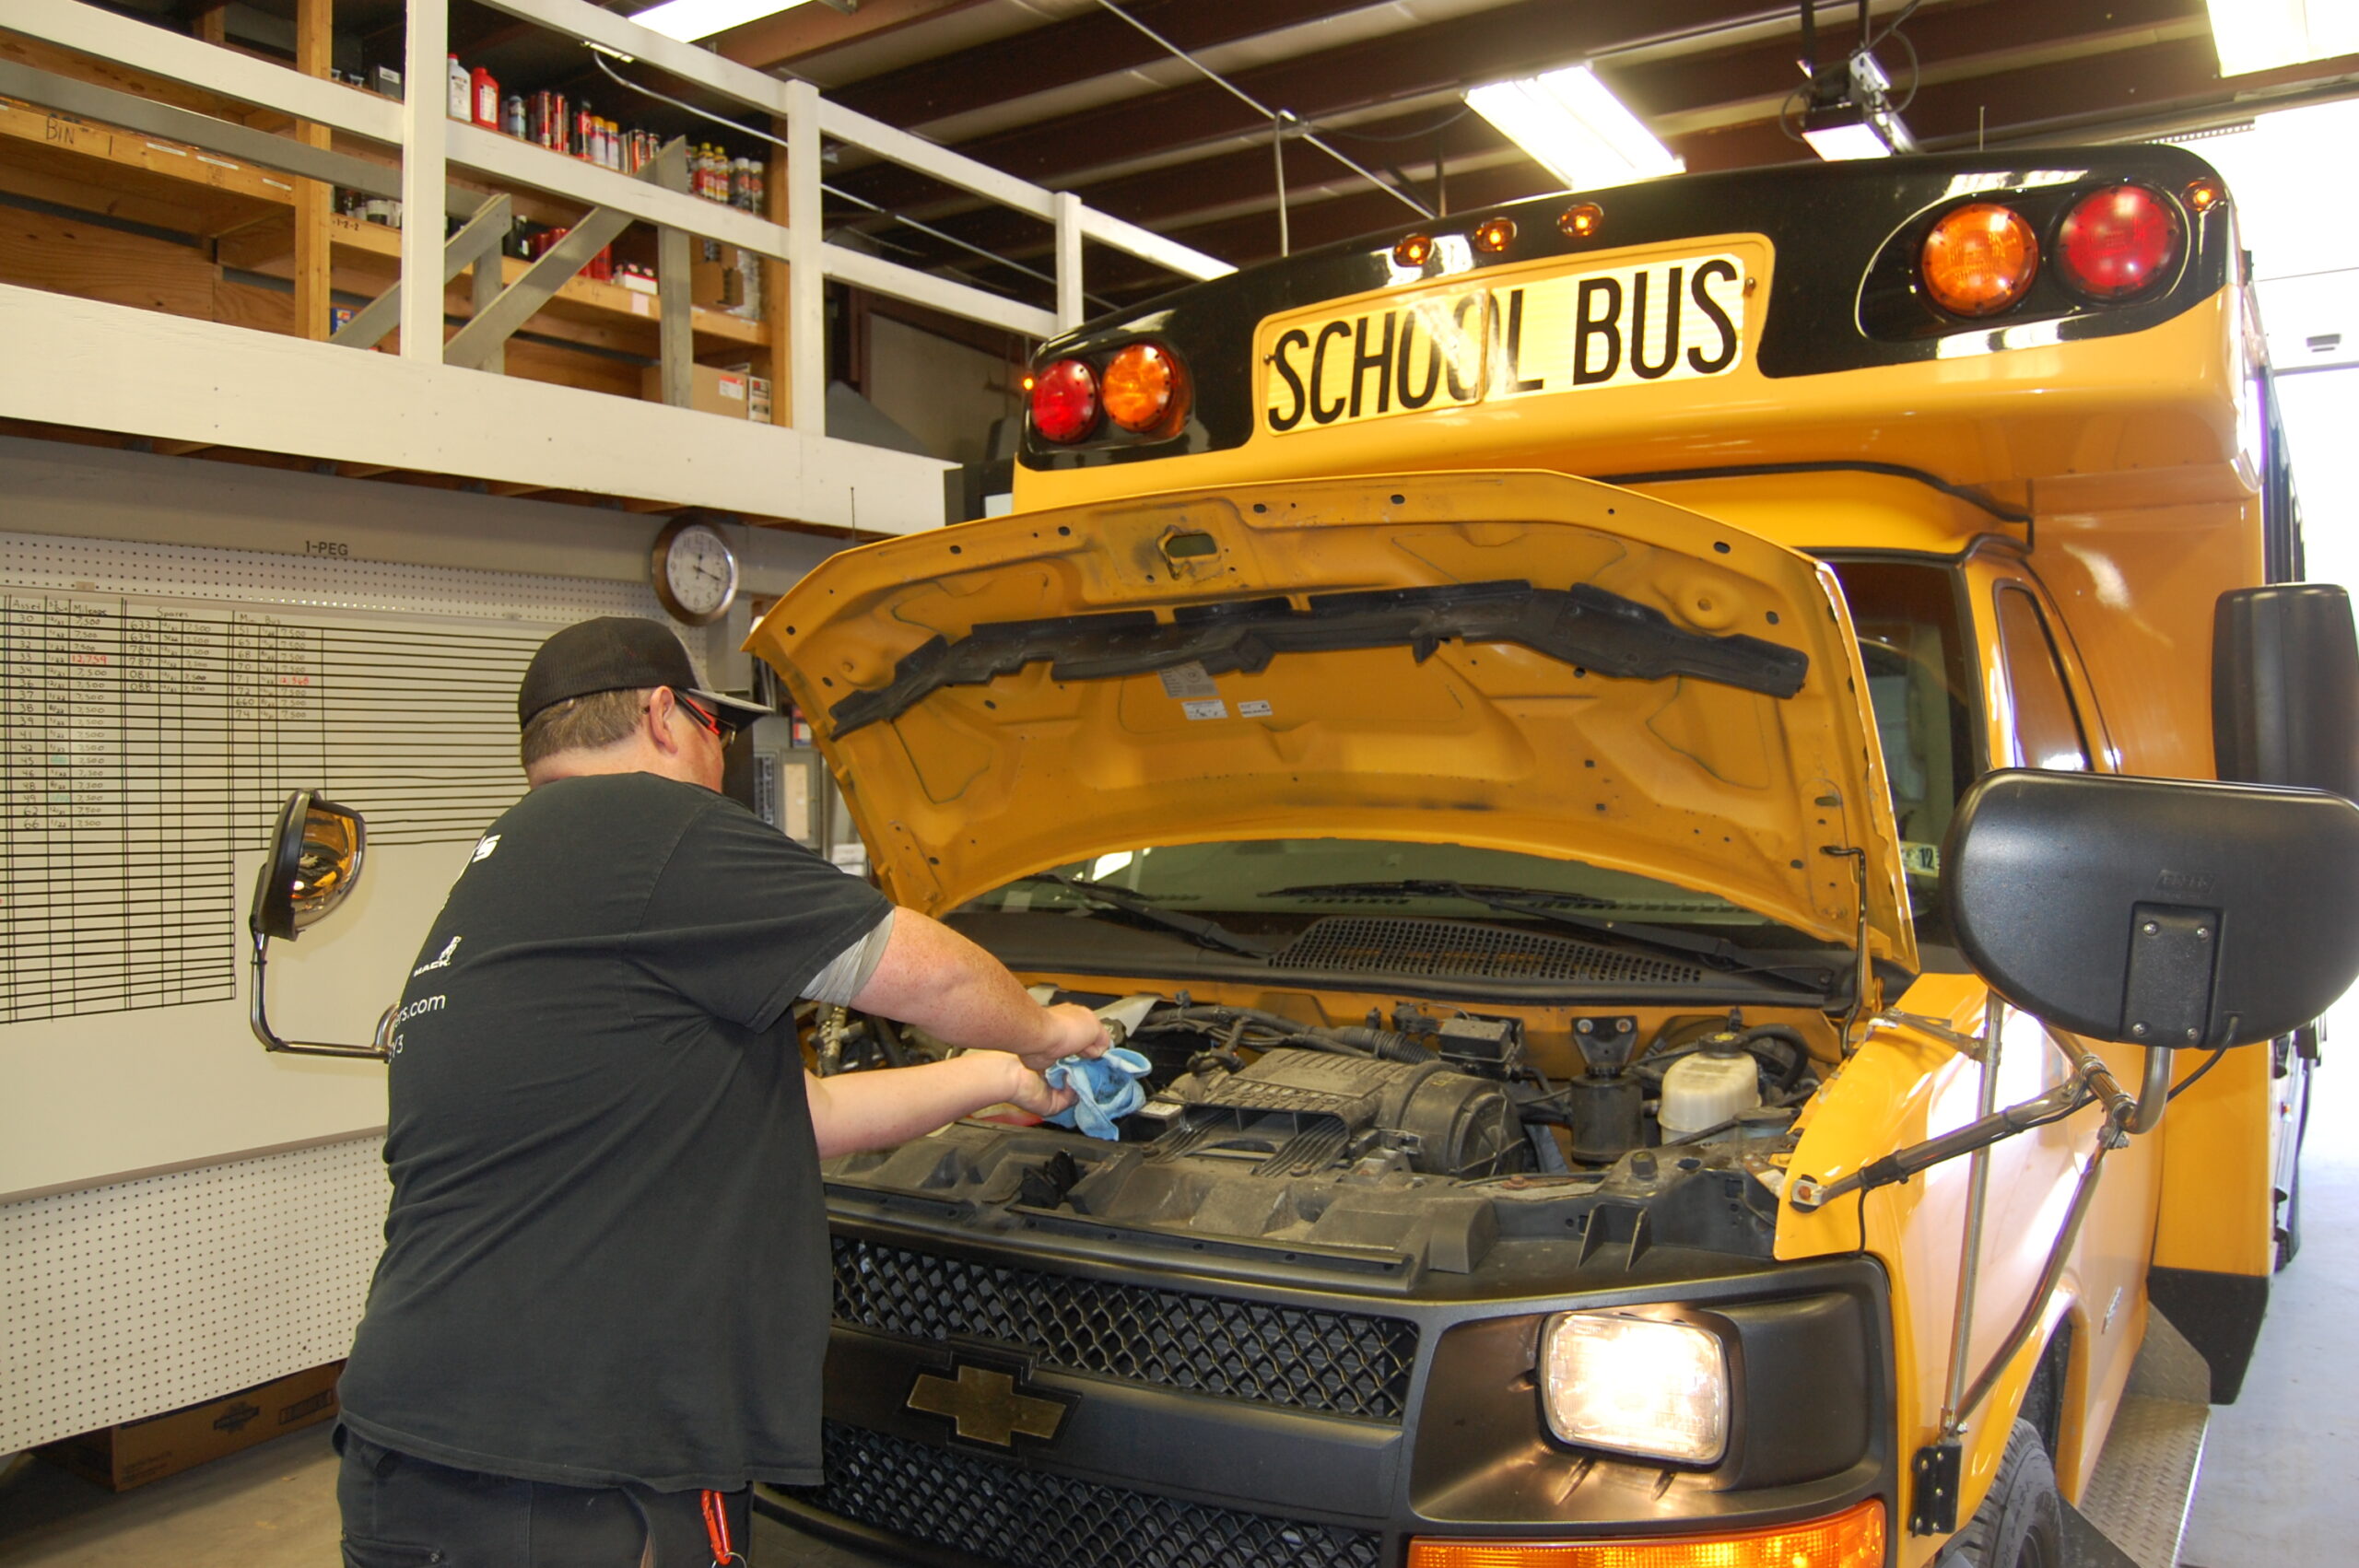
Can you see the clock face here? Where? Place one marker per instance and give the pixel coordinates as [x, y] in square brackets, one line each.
[699, 575]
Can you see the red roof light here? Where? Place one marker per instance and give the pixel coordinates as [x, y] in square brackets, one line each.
[2119, 242]
[1065, 400]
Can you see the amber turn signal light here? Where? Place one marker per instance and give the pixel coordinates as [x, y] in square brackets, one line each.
[1980, 260]
[1581, 220]
[1142, 389]
[2202, 195]
[1494, 234]
[1853, 1539]
[1413, 249]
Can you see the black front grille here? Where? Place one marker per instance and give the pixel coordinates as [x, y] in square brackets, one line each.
[1453, 950]
[1341, 1364]
[994, 1510]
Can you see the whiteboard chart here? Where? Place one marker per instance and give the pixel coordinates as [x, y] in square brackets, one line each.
[148, 741]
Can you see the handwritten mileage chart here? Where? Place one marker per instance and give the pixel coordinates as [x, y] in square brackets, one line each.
[143, 744]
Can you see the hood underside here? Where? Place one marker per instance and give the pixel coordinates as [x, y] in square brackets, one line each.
[1519, 662]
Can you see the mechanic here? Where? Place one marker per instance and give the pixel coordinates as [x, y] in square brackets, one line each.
[603, 1305]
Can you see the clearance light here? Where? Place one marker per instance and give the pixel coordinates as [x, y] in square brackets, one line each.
[1980, 260]
[1641, 1386]
[1412, 251]
[1581, 220]
[1494, 234]
[2204, 194]
[1142, 388]
[2118, 242]
[1575, 128]
[1853, 1539]
[2259, 35]
[687, 19]
[1065, 400]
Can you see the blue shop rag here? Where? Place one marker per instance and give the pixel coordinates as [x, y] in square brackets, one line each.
[1107, 1086]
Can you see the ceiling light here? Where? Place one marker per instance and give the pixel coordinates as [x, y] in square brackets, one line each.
[1850, 113]
[1575, 128]
[2259, 35]
[690, 19]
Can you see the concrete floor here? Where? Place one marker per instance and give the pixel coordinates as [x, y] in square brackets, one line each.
[2276, 1490]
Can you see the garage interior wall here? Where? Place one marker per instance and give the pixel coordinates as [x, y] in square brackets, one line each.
[180, 1214]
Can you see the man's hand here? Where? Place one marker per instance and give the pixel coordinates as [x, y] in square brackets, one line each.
[1071, 1029]
[1031, 1092]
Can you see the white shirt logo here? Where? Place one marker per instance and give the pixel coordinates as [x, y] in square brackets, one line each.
[440, 960]
[484, 847]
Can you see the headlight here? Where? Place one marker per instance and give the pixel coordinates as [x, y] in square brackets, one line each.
[1635, 1386]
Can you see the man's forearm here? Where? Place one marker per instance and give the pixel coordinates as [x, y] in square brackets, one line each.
[935, 978]
[853, 1111]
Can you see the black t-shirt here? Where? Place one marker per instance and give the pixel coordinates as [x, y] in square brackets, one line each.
[606, 1259]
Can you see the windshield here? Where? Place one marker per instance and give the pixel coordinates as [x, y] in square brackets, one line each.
[1269, 886]
[1907, 615]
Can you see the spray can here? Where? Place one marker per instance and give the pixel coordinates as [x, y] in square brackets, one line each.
[513, 120]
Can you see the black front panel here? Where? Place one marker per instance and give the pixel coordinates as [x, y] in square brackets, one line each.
[1844, 294]
[1025, 1518]
[1339, 1363]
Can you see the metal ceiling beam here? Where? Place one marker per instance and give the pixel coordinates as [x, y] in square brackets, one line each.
[1501, 42]
[1077, 49]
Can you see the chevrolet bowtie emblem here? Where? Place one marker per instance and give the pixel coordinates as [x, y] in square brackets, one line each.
[985, 1407]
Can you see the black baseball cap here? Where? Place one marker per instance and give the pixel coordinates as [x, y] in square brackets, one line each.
[619, 654]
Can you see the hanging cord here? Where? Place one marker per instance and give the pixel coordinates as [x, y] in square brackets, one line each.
[1266, 112]
[598, 57]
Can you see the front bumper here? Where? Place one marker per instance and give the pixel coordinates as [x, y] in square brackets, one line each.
[1299, 1421]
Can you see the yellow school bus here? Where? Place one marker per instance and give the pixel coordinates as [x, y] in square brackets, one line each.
[1606, 757]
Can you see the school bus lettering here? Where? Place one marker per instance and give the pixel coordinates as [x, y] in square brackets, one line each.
[1289, 343]
[1456, 347]
[1724, 271]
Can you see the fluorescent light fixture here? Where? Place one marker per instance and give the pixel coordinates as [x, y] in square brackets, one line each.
[2261, 35]
[1850, 113]
[1576, 128]
[688, 20]
[1845, 139]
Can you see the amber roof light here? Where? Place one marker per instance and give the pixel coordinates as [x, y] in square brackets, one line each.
[1980, 260]
[1581, 220]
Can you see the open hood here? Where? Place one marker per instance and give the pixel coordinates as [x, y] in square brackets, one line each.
[1521, 660]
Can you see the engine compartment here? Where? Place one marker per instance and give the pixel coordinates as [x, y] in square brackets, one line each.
[1426, 1137]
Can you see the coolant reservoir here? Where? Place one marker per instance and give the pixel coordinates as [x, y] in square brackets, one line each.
[1705, 1089]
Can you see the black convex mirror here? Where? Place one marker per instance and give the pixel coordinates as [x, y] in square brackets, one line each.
[2156, 912]
[312, 865]
[2285, 687]
[315, 861]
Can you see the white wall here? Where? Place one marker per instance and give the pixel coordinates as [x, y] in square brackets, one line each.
[943, 393]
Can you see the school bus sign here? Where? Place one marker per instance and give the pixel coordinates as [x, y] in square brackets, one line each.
[1678, 317]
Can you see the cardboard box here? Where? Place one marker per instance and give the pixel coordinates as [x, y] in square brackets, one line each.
[715, 282]
[137, 1452]
[713, 390]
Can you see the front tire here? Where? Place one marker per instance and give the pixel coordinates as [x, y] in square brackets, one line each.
[2020, 1523]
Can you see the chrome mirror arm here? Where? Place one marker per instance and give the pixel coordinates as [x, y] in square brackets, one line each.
[258, 1017]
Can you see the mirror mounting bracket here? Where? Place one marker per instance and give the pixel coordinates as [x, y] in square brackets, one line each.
[258, 1017]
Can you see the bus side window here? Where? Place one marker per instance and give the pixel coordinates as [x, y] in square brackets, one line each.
[2047, 731]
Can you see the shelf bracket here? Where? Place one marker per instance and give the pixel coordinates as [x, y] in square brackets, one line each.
[477, 346]
[476, 245]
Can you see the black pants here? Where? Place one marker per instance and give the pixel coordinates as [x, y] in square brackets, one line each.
[401, 1512]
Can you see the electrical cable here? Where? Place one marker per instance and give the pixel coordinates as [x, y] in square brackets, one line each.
[1419, 134]
[598, 57]
[1280, 116]
[2192, 1079]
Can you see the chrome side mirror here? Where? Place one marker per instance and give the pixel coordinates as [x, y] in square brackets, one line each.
[314, 864]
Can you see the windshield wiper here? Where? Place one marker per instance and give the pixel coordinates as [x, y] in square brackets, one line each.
[1207, 933]
[1559, 909]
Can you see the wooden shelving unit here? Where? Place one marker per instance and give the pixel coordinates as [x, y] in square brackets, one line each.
[114, 214]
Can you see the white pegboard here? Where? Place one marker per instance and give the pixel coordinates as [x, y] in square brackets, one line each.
[119, 1302]
[104, 565]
